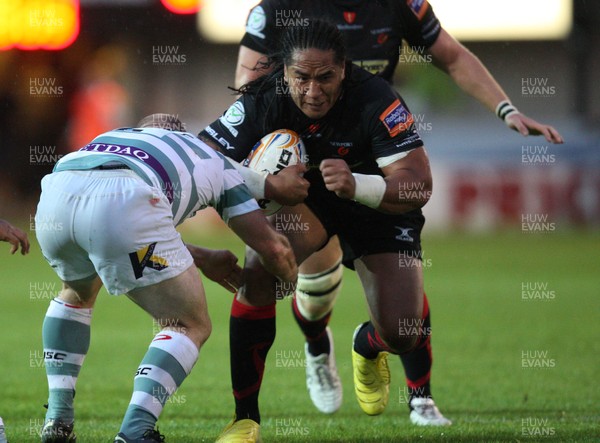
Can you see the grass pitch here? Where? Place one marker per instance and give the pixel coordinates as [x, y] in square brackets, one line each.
[515, 341]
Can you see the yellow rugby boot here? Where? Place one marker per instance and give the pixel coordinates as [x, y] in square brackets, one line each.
[240, 431]
[371, 382]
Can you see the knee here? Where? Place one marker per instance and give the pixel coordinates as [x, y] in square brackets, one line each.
[402, 337]
[196, 326]
[204, 331]
[316, 293]
[196, 332]
[202, 327]
[259, 287]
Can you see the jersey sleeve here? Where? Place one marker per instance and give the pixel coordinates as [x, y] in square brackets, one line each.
[393, 131]
[236, 130]
[422, 25]
[236, 198]
[261, 30]
[219, 185]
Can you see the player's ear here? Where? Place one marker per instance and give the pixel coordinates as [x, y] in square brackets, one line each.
[343, 71]
[285, 74]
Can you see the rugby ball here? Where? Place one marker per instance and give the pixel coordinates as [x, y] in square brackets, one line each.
[271, 154]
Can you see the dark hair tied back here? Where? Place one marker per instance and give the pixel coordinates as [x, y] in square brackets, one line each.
[316, 34]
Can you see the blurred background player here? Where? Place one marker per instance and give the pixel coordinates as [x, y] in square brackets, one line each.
[374, 32]
[116, 203]
[14, 236]
[352, 194]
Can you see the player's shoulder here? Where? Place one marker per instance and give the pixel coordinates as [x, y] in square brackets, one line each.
[171, 143]
[132, 132]
[263, 94]
[416, 7]
[364, 86]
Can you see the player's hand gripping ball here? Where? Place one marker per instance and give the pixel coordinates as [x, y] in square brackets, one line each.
[271, 154]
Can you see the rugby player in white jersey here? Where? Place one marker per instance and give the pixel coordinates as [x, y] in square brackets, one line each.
[113, 207]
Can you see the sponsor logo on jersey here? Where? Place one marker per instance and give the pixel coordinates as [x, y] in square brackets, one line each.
[409, 141]
[257, 21]
[145, 258]
[396, 118]
[234, 116]
[139, 154]
[345, 27]
[349, 17]
[386, 29]
[218, 138]
[343, 148]
[418, 7]
[404, 235]
[373, 66]
[382, 38]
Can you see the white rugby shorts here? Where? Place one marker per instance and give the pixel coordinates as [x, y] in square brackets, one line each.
[110, 223]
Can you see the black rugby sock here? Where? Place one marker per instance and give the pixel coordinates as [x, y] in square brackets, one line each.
[417, 363]
[368, 343]
[251, 334]
[314, 331]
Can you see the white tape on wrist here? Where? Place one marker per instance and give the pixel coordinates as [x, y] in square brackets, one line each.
[255, 181]
[369, 190]
[505, 109]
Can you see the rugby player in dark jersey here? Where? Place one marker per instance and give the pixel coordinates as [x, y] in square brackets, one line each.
[374, 32]
[363, 150]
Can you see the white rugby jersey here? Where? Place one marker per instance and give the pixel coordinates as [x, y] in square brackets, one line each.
[188, 172]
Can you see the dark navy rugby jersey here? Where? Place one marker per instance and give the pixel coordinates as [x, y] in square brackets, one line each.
[369, 121]
[373, 29]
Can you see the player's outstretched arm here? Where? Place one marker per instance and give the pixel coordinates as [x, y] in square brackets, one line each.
[407, 184]
[274, 249]
[14, 236]
[219, 266]
[469, 73]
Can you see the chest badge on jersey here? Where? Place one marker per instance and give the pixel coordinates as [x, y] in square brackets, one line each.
[234, 116]
[396, 118]
[257, 21]
[349, 17]
[382, 38]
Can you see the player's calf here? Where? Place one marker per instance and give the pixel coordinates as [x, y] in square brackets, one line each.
[66, 340]
[168, 361]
